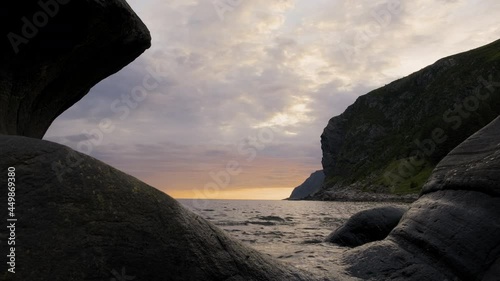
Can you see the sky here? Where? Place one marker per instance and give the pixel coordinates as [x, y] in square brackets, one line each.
[231, 99]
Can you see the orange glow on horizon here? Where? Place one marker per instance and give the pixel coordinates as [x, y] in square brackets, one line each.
[271, 193]
[265, 178]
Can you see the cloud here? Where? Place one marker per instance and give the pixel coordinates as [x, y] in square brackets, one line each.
[288, 66]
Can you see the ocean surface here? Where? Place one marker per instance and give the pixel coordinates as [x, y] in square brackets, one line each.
[291, 231]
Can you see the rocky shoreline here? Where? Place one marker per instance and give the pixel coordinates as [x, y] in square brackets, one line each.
[349, 195]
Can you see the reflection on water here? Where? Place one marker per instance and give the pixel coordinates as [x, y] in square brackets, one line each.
[290, 231]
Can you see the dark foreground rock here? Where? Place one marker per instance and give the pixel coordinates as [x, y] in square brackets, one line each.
[53, 52]
[367, 226]
[90, 221]
[453, 231]
[312, 184]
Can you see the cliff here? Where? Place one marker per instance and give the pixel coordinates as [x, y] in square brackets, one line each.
[390, 139]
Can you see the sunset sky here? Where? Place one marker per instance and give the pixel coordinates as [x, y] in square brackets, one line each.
[232, 98]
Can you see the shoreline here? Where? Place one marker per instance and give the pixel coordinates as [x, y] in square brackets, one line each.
[353, 196]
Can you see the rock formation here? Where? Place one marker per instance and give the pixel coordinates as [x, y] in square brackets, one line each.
[52, 52]
[390, 140]
[312, 184]
[453, 231]
[367, 226]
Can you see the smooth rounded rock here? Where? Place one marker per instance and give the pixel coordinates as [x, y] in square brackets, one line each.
[473, 165]
[367, 226]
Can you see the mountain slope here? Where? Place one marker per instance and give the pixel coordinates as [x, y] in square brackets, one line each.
[312, 184]
[390, 139]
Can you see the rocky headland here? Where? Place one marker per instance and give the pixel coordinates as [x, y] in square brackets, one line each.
[312, 184]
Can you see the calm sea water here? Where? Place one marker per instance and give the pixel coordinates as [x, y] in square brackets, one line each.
[291, 231]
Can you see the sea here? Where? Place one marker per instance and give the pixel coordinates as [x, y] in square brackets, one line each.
[290, 231]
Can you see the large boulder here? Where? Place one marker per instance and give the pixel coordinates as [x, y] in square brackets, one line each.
[453, 231]
[53, 51]
[474, 165]
[367, 226]
[80, 219]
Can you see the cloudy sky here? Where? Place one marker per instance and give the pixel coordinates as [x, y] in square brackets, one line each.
[232, 98]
